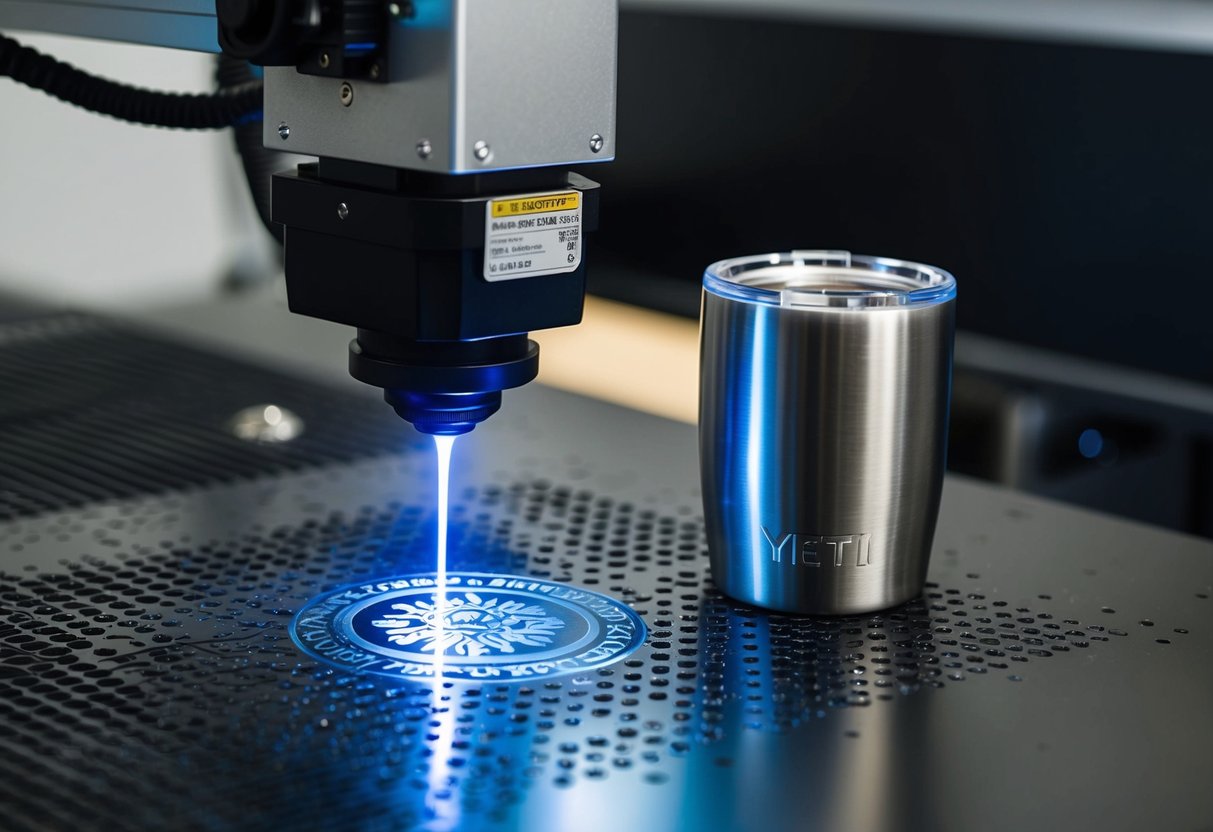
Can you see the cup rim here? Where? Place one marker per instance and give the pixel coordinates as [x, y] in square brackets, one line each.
[829, 278]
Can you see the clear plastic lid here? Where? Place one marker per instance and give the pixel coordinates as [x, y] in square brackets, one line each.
[828, 278]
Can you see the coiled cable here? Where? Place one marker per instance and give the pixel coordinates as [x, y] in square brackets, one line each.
[228, 107]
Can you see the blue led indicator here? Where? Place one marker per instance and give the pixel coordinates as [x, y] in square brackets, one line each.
[1090, 443]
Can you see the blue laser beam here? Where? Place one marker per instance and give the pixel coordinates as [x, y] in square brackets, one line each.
[444, 446]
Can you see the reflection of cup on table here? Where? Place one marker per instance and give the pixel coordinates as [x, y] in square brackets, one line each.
[823, 412]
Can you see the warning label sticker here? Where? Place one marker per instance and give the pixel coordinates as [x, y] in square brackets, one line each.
[532, 235]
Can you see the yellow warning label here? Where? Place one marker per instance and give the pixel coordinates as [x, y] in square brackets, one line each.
[517, 206]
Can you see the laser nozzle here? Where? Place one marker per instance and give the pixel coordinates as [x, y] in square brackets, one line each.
[443, 414]
[444, 388]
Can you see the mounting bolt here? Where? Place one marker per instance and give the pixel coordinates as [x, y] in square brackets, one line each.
[347, 94]
[343, 211]
[424, 148]
[325, 60]
[481, 150]
[376, 71]
[284, 131]
[596, 142]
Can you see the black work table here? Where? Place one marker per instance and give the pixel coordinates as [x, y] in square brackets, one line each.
[1057, 672]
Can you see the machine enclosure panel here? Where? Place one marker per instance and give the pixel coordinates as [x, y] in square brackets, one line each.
[531, 82]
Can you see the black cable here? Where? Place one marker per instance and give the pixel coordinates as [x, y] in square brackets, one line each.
[259, 163]
[226, 108]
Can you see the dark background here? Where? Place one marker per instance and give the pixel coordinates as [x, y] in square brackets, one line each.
[1066, 186]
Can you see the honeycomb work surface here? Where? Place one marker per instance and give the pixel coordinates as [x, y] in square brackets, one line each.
[1054, 672]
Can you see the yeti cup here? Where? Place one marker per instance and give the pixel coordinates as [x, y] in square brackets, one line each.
[825, 379]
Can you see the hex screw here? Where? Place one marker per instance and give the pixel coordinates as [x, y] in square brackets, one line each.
[325, 60]
[424, 148]
[347, 94]
[343, 211]
[596, 143]
[284, 131]
[482, 150]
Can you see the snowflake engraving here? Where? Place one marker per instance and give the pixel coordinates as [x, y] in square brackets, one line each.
[469, 625]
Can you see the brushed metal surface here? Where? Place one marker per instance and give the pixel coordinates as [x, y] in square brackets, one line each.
[179, 24]
[822, 446]
[533, 80]
[1173, 25]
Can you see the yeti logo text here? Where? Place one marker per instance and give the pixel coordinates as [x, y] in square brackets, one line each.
[815, 549]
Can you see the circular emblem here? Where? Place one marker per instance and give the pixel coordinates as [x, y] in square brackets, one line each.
[484, 627]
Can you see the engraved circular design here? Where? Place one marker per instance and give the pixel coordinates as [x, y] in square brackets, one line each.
[485, 627]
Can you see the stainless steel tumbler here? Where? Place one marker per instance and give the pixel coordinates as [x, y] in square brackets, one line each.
[825, 380]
